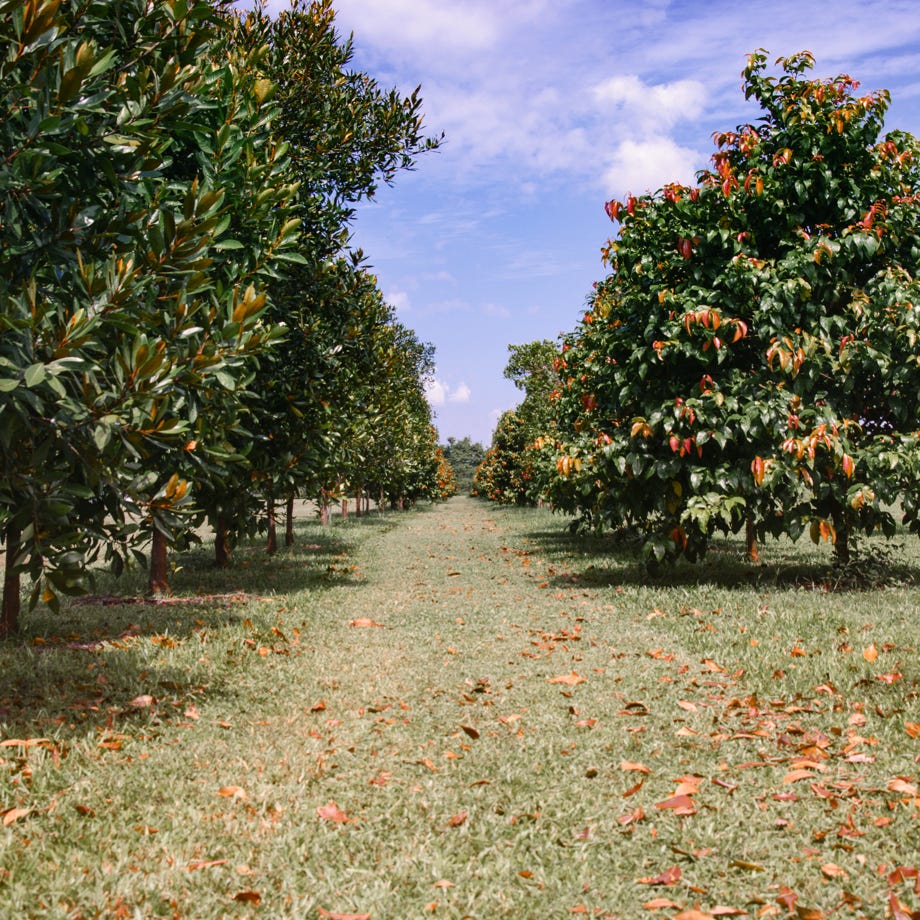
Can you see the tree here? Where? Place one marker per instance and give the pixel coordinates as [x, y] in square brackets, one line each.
[464, 456]
[119, 313]
[751, 357]
[506, 474]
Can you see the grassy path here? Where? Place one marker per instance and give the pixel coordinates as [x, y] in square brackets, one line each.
[457, 713]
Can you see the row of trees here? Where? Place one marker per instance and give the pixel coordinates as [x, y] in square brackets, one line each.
[185, 334]
[751, 360]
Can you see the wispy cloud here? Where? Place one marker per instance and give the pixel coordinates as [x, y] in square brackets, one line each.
[440, 393]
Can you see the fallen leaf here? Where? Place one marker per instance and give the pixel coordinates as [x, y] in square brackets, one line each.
[632, 817]
[427, 762]
[661, 904]
[693, 914]
[686, 704]
[233, 792]
[810, 913]
[14, 814]
[720, 911]
[679, 804]
[206, 864]
[899, 784]
[364, 622]
[668, 877]
[871, 653]
[142, 701]
[472, 732]
[570, 680]
[458, 819]
[248, 897]
[832, 870]
[24, 742]
[912, 729]
[333, 813]
[336, 915]
[443, 884]
[634, 767]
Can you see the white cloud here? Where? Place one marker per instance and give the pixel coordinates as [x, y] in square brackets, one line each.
[399, 301]
[660, 105]
[646, 165]
[460, 394]
[439, 393]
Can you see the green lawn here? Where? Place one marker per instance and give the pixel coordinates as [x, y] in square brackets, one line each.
[463, 712]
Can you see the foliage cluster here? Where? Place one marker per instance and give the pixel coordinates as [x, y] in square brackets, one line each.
[750, 362]
[464, 455]
[184, 334]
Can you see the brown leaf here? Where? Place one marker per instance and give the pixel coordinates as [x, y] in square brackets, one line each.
[632, 817]
[427, 762]
[912, 729]
[458, 819]
[233, 792]
[443, 884]
[14, 814]
[472, 732]
[899, 784]
[333, 813]
[871, 653]
[248, 897]
[634, 767]
[570, 680]
[686, 704]
[668, 877]
[661, 904]
[23, 742]
[721, 911]
[206, 864]
[693, 914]
[832, 870]
[336, 915]
[142, 701]
[810, 913]
[679, 804]
[319, 706]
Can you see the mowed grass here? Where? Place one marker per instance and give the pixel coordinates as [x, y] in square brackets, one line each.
[463, 712]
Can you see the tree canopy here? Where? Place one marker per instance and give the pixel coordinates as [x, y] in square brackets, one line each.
[752, 356]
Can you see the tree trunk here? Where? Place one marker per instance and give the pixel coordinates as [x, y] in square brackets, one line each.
[289, 522]
[380, 503]
[159, 581]
[359, 499]
[9, 616]
[401, 504]
[323, 508]
[842, 535]
[750, 539]
[271, 545]
[221, 548]
[344, 508]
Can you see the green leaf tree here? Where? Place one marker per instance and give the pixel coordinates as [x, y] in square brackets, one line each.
[751, 359]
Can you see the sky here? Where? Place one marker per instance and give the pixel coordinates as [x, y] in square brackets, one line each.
[549, 108]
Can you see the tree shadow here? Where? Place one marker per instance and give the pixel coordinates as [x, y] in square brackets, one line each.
[616, 561]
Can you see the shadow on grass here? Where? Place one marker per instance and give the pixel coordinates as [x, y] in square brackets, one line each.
[614, 560]
[83, 668]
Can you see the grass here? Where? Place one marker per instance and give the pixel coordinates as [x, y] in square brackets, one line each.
[461, 712]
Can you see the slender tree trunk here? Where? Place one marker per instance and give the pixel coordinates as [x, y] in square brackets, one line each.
[159, 580]
[271, 545]
[359, 498]
[750, 539]
[380, 503]
[289, 522]
[9, 616]
[344, 508]
[842, 535]
[323, 508]
[221, 547]
[401, 504]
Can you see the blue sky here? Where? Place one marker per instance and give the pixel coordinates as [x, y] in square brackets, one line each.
[551, 107]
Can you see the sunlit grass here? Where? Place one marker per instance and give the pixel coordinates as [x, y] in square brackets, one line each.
[493, 736]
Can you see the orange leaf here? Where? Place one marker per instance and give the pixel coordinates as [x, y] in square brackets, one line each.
[248, 897]
[693, 914]
[443, 884]
[635, 767]
[912, 729]
[871, 653]
[668, 877]
[660, 904]
[898, 784]
[679, 804]
[793, 776]
[364, 622]
[728, 912]
[14, 814]
[570, 680]
[832, 870]
[233, 792]
[332, 812]
[206, 864]
[337, 915]
[458, 819]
